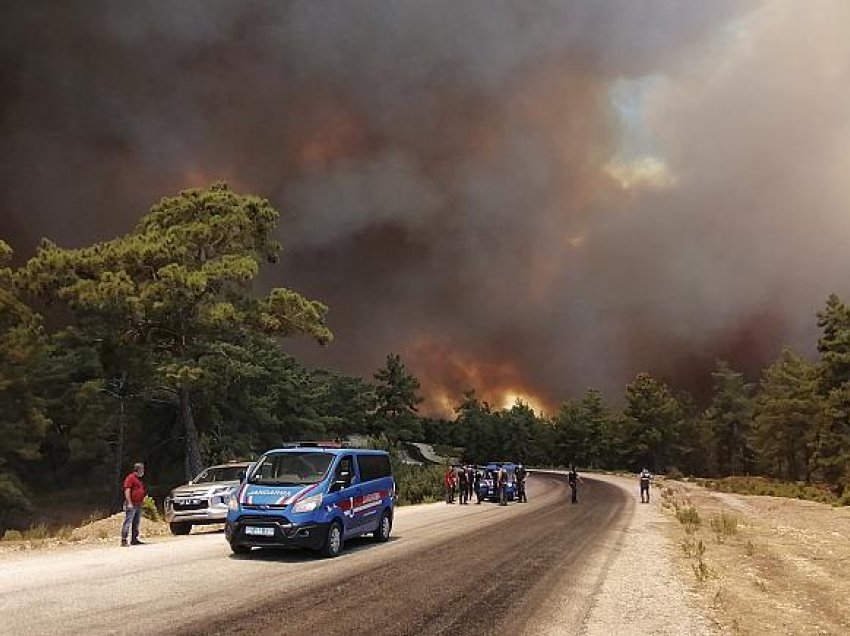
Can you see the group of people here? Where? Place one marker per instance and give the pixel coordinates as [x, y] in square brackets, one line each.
[465, 481]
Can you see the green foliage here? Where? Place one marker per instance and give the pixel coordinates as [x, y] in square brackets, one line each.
[772, 488]
[729, 420]
[397, 399]
[789, 410]
[149, 510]
[176, 288]
[651, 426]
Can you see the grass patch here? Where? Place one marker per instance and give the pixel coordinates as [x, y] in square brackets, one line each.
[689, 517]
[723, 525]
[774, 488]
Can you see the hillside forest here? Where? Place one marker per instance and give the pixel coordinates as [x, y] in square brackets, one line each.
[158, 346]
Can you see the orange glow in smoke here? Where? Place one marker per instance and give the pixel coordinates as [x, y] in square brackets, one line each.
[446, 373]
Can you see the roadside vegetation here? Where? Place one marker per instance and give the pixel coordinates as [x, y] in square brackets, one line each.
[157, 346]
[776, 488]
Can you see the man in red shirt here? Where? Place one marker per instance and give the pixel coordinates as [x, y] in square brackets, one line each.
[134, 495]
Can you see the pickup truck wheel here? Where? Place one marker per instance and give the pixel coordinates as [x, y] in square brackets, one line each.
[333, 542]
[240, 549]
[382, 534]
[180, 527]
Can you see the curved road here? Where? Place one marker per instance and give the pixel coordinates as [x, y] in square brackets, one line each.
[448, 569]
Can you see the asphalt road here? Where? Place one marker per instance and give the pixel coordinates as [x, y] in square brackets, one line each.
[448, 569]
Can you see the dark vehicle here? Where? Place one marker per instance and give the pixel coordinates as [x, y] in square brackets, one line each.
[488, 489]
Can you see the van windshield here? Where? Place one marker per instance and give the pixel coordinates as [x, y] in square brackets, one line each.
[291, 469]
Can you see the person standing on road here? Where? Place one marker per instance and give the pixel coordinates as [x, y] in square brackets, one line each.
[521, 474]
[134, 495]
[574, 480]
[645, 480]
[470, 481]
[462, 489]
[502, 481]
[476, 485]
[450, 485]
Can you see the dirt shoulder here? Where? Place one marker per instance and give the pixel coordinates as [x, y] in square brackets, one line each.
[642, 591]
[761, 565]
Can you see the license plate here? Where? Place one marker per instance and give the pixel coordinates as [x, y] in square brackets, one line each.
[189, 502]
[259, 532]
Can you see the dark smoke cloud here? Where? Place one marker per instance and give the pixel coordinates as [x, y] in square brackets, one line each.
[527, 197]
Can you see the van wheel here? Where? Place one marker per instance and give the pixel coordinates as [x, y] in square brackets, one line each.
[180, 527]
[240, 549]
[382, 534]
[333, 542]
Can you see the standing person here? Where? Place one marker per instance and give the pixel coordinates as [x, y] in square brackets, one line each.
[134, 495]
[462, 489]
[574, 480]
[521, 474]
[470, 481]
[502, 481]
[449, 480]
[645, 480]
[476, 485]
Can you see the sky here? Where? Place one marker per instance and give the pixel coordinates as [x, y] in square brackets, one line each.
[528, 198]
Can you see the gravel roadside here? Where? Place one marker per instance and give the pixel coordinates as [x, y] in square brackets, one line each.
[636, 589]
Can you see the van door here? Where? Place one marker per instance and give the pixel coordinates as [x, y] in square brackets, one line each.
[377, 484]
[346, 489]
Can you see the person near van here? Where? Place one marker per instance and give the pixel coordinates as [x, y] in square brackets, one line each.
[449, 480]
[476, 485]
[502, 481]
[574, 480]
[470, 482]
[134, 495]
[521, 474]
[462, 486]
[645, 480]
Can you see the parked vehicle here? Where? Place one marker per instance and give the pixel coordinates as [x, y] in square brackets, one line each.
[313, 497]
[204, 499]
[487, 488]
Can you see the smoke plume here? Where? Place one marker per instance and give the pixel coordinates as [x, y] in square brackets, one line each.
[526, 197]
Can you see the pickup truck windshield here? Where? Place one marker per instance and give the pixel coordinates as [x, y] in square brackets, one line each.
[212, 475]
[291, 468]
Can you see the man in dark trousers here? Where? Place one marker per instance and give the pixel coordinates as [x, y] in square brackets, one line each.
[521, 474]
[470, 481]
[502, 481]
[476, 485]
[134, 496]
[645, 480]
[462, 489]
[574, 480]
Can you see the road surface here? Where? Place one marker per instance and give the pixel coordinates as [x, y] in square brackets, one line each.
[447, 570]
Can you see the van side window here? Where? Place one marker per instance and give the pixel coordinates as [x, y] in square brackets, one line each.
[345, 470]
[373, 467]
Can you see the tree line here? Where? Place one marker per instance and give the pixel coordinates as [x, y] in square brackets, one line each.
[155, 346]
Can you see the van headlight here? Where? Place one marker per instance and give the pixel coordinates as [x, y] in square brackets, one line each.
[308, 504]
[233, 503]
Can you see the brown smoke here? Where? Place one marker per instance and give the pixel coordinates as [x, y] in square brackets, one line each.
[526, 197]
